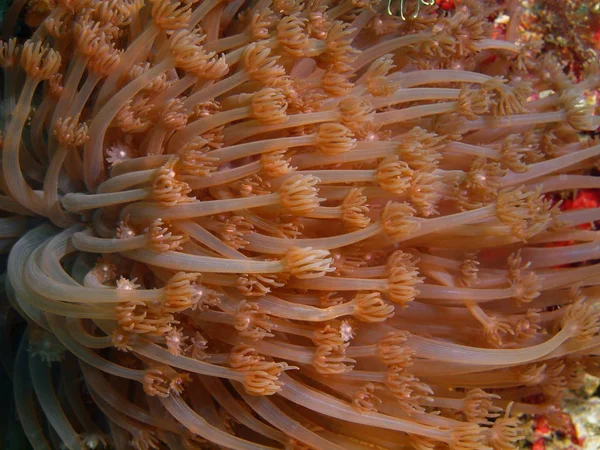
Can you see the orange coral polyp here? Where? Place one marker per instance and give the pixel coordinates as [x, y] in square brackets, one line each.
[236, 187]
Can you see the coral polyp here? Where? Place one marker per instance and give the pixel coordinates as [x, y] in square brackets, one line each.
[299, 225]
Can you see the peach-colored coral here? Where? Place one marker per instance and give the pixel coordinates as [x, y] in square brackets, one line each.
[320, 225]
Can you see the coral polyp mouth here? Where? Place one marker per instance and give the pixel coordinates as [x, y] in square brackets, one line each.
[284, 224]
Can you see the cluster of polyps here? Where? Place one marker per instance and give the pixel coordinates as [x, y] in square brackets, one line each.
[235, 190]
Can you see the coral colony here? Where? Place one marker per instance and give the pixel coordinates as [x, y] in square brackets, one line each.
[293, 225]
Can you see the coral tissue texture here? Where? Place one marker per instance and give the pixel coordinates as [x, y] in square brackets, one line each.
[293, 224]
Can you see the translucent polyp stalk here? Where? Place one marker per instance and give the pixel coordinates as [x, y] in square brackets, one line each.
[50, 288]
[74, 398]
[40, 305]
[277, 246]
[517, 120]
[9, 205]
[389, 46]
[17, 259]
[97, 382]
[197, 425]
[565, 236]
[328, 405]
[146, 348]
[566, 277]
[290, 310]
[415, 94]
[579, 216]
[429, 226]
[217, 89]
[85, 242]
[239, 132]
[122, 422]
[78, 331]
[84, 94]
[120, 183]
[190, 210]
[549, 166]
[75, 72]
[498, 378]
[283, 350]
[201, 126]
[12, 227]
[13, 175]
[51, 201]
[363, 151]
[24, 399]
[238, 151]
[85, 202]
[233, 407]
[46, 395]
[203, 236]
[414, 112]
[61, 331]
[455, 295]
[568, 182]
[343, 176]
[48, 256]
[194, 263]
[93, 155]
[474, 150]
[446, 351]
[140, 163]
[128, 59]
[549, 256]
[421, 77]
[496, 44]
[266, 409]
[389, 405]
[223, 177]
